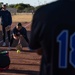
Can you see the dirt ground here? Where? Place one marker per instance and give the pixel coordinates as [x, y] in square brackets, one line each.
[24, 63]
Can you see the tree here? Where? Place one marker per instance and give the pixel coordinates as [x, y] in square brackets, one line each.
[21, 7]
[12, 5]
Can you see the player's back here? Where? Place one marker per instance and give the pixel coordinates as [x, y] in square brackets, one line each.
[59, 37]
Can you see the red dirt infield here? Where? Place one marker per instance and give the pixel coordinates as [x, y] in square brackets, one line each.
[24, 63]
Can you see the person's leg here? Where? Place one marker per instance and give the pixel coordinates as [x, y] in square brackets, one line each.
[11, 41]
[26, 38]
[8, 34]
[3, 35]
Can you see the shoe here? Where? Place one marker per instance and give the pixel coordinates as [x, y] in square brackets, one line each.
[9, 48]
[4, 44]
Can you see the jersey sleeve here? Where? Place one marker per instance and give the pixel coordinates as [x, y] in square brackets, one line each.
[0, 12]
[10, 18]
[14, 31]
[24, 31]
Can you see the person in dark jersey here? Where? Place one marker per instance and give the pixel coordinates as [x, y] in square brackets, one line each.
[6, 21]
[19, 32]
[53, 34]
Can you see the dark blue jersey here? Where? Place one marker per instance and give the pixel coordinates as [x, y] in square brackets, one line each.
[53, 30]
[22, 31]
[6, 18]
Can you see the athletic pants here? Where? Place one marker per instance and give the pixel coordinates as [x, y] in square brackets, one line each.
[25, 37]
[4, 34]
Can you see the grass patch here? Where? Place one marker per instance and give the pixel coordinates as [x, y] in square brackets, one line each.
[25, 17]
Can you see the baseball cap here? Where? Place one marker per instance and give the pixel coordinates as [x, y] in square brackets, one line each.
[3, 5]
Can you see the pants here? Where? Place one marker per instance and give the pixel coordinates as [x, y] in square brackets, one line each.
[25, 37]
[4, 34]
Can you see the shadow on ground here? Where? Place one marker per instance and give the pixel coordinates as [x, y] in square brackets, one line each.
[29, 72]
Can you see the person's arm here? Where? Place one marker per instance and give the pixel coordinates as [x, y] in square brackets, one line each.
[0, 12]
[25, 35]
[10, 18]
[8, 27]
[14, 33]
[35, 40]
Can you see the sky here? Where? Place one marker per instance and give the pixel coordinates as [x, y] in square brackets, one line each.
[31, 2]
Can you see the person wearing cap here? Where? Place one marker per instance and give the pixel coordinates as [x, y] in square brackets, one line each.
[18, 32]
[6, 21]
[53, 34]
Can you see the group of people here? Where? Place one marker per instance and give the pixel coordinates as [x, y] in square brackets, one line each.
[52, 36]
[18, 31]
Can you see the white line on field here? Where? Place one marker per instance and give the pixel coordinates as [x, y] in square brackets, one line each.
[24, 26]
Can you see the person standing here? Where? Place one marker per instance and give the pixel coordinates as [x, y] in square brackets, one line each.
[6, 21]
[53, 34]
